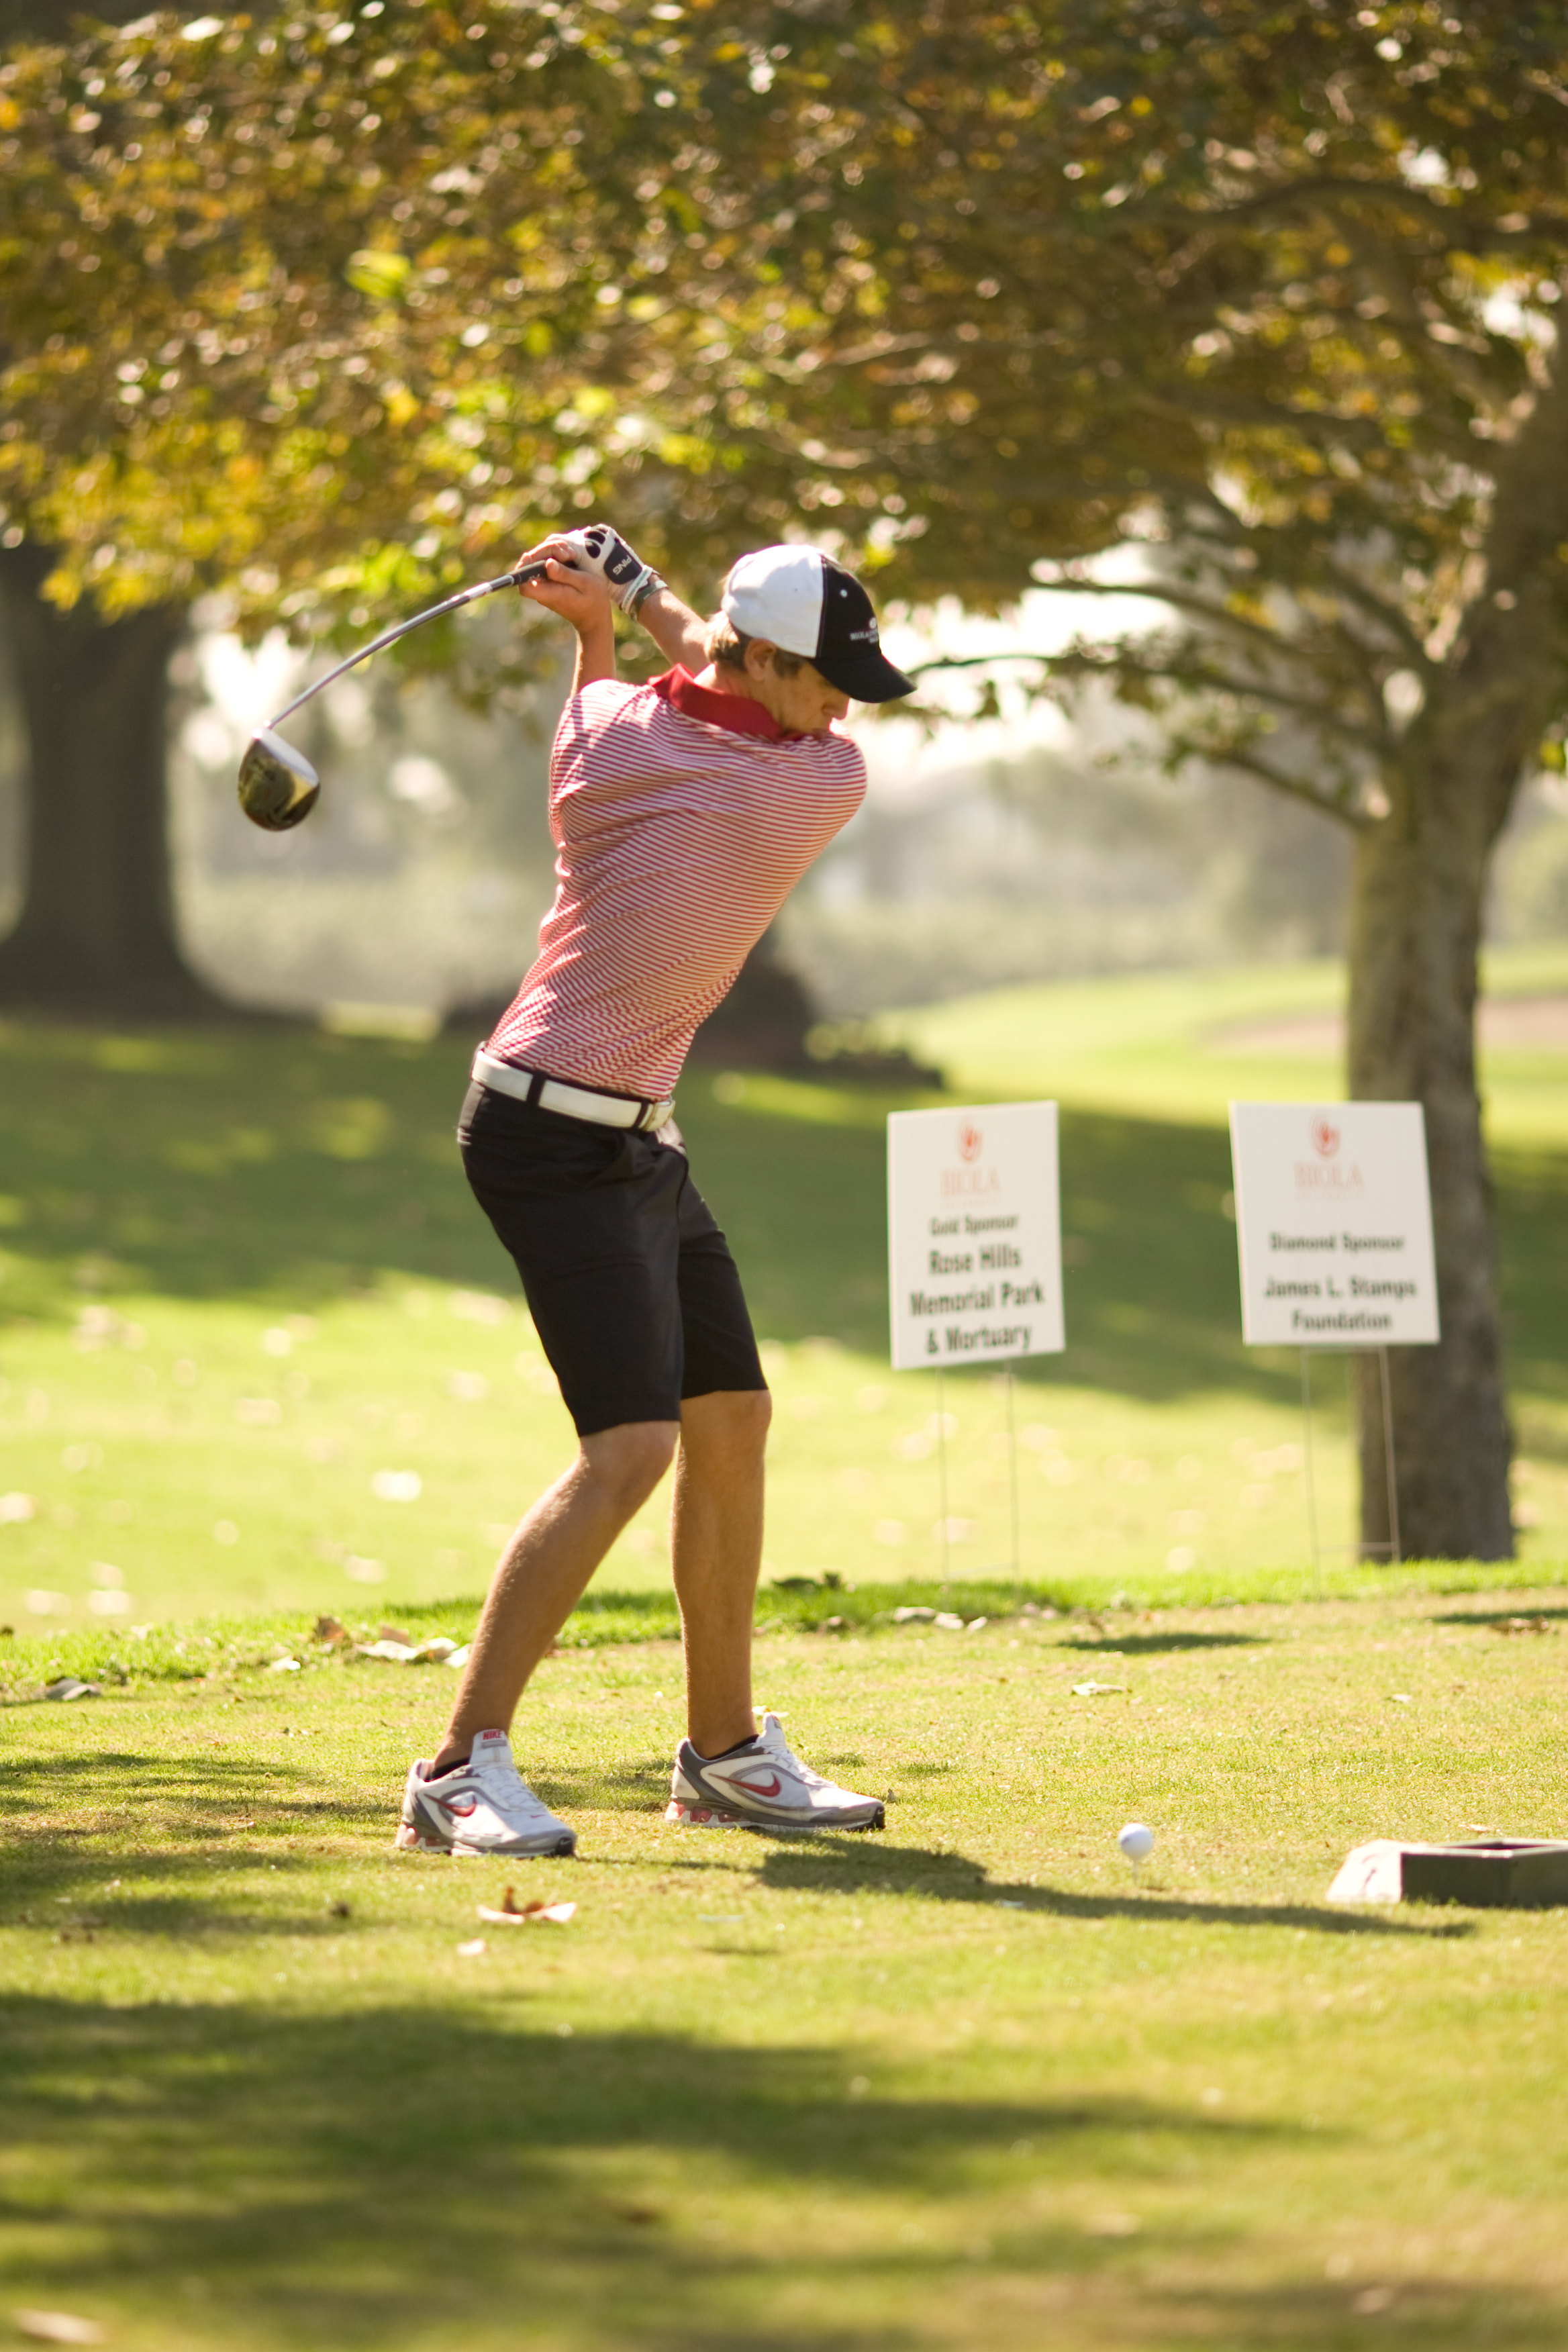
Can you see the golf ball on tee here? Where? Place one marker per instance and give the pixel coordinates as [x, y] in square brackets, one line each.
[1137, 1842]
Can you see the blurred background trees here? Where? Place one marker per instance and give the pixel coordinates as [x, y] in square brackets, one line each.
[1250, 311]
[1264, 303]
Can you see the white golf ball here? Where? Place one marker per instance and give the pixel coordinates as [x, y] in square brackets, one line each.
[1136, 1841]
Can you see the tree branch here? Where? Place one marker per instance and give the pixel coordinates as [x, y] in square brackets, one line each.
[1228, 755]
[1293, 788]
[1182, 600]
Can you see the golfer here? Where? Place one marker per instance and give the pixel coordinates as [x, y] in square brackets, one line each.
[683, 814]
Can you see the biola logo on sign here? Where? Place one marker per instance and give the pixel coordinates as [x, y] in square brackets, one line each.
[973, 1234]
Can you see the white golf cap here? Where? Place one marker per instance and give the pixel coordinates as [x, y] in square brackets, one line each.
[799, 599]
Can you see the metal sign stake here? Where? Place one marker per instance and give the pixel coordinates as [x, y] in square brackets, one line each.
[941, 1472]
[1013, 1470]
[1311, 1483]
[1393, 1551]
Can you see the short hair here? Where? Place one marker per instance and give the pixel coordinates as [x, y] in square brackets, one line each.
[726, 647]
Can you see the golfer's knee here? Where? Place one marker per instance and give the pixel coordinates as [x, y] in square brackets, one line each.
[631, 1459]
[729, 1421]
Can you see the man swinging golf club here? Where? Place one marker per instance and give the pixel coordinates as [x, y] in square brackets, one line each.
[683, 813]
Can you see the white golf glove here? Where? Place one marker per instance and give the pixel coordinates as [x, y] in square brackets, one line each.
[599, 549]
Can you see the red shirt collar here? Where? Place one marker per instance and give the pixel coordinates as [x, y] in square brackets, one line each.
[738, 712]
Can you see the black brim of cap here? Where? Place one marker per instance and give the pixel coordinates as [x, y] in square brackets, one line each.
[864, 677]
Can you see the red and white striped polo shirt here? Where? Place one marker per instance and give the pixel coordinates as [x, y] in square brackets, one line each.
[682, 818]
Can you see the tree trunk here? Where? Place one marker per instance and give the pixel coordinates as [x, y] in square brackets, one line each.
[96, 931]
[1415, 930]
[1418, 888]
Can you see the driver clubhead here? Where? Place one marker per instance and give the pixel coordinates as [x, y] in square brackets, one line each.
[277, 785]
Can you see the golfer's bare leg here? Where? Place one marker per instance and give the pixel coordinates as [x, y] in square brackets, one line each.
[545, 1568]
[717, 1555]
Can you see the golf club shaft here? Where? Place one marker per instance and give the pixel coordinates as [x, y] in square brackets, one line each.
[390, 636]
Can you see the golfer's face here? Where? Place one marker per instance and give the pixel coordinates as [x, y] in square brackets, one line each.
[806, 703]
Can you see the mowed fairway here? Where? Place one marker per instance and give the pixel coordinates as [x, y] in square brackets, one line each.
[969, 2083]
[242, 1281]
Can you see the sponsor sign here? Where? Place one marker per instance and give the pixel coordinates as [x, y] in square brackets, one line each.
[974, 1253]
[1333, 1224]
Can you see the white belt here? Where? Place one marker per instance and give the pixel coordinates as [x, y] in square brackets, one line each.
[571, 1102]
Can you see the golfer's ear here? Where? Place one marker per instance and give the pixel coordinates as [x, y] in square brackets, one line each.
[760, 655]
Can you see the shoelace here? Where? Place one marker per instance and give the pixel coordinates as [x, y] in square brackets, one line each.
[504, 1775]
[786, 1755]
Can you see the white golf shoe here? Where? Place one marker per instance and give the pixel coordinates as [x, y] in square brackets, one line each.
[485, 1807]
[763, 1786]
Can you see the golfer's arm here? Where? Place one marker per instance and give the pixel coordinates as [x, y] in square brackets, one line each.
[596, 654]
[675, 629]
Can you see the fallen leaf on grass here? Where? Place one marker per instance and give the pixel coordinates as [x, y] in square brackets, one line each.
[331, 1630]
[1113, 2225]
[513, 1915]
[58, 2328]
[641, 2217]
[400, 1650]
[285, 1666]
[1521, 1626]
[1096, 1690]
[67, 1687]
[914, 1616]
[472, 1951]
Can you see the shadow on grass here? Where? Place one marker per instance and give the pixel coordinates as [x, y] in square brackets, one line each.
[1488, 1618]
[405, 2175]
[61, 1806]
[1133, 1646]
[371, 2177]
[58, 1804]
[851, 1862]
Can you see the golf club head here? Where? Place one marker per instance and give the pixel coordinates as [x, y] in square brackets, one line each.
[277, 785]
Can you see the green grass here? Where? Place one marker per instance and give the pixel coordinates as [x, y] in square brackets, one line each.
[965, 2084]
[175, 1207]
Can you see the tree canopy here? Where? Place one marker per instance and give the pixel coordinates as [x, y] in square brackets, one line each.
[1269, 294]
[984, 290]
[323, 312]
[1264, 292]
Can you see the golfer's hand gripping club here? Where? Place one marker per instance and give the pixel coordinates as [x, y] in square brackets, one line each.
[277, 785]
[598, 548]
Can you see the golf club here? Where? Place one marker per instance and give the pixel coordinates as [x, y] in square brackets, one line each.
[277, 785]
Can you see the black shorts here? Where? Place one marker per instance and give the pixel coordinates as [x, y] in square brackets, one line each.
[633, 1291]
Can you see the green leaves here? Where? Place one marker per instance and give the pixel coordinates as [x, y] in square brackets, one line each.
[381, 274]
[974, 292]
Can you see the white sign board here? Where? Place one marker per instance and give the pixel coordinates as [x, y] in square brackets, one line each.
[974, 1246]
[1333, 1223]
